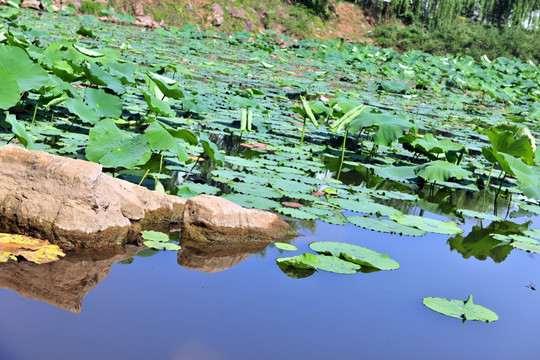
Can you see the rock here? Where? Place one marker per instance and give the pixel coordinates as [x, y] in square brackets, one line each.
[237, 13]
[212, 257]
[215, 219]
[63, 283]
[32, 4]
[73, 204]
[217, 18]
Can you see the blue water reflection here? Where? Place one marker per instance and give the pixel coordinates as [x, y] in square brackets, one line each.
[155, 309]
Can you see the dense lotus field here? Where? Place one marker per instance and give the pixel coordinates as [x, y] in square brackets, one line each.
[332, 131]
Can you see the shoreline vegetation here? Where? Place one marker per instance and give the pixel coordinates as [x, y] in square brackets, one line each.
[459, 27]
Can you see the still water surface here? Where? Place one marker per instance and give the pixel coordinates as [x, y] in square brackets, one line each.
[155, 309]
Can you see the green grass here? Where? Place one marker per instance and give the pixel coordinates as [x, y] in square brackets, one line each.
[465, 37]
[92, 8]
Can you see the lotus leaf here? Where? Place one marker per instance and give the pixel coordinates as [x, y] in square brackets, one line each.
[296, 213]
[251, 201]
[465, 310]
[440, 170]
[106, 105]
[355, 254]
[478, 215]
[9, 90]
[285, 246]
[320, 262]
[384, 225]
[27, 74]
[427, 224]
[158, 240]
[390, 127]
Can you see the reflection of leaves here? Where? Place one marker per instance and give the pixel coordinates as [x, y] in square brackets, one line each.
[294, 272]
[35, 250]
[480, 243]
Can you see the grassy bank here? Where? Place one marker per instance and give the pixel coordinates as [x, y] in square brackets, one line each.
[300, 21]
[465, 37]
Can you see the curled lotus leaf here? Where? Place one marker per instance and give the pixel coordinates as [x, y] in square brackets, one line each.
[32, 249]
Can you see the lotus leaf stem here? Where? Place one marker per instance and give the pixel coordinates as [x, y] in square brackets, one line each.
[342, 150]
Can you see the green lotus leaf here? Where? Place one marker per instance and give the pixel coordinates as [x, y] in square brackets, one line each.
[168, 86]
[512, 139]
[285, 246]
[364, 207]
[396, 87]
[189, 189]
[87, 52]
[103, 138]
[389, 127]
[158, 106]
[440, 170]
[384, 225]
[397, 173]
[106, 105]
[256, 190]
[465, 310]
[27, 74]
[250, 201]
[291, 186]
[355, 254]
[98, 75]
[304, 261]
[296, 213]
[9, 90]
[161, 140]
[427, 224]
[320, 262]
[20, 133]
[134, 150]
[478, 215]
[158, 240]
[211, 149]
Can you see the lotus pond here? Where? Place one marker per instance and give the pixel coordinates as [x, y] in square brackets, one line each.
[365, 151]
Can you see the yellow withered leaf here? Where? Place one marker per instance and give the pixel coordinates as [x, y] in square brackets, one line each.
[32, 249]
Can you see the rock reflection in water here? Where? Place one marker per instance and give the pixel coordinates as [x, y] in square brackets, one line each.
[213, 257]
[66, 282]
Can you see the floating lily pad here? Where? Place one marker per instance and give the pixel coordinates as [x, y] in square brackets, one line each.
[250, 201]
[384, 225]
[320, 262]
[285, 246]
[159, 241]
[296, 213]
[478, 215]
[256, 190]
[355, 254]
[427, 224]
[364, 207]
[465, 310]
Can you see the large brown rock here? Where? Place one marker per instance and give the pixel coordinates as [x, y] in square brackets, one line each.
[72, 203]
[211, 218]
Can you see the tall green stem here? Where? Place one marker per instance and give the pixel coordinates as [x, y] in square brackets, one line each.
[35, 112]
[343, 151]
[303, 132]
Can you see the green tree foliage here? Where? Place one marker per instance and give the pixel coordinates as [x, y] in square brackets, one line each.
[440, 13]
